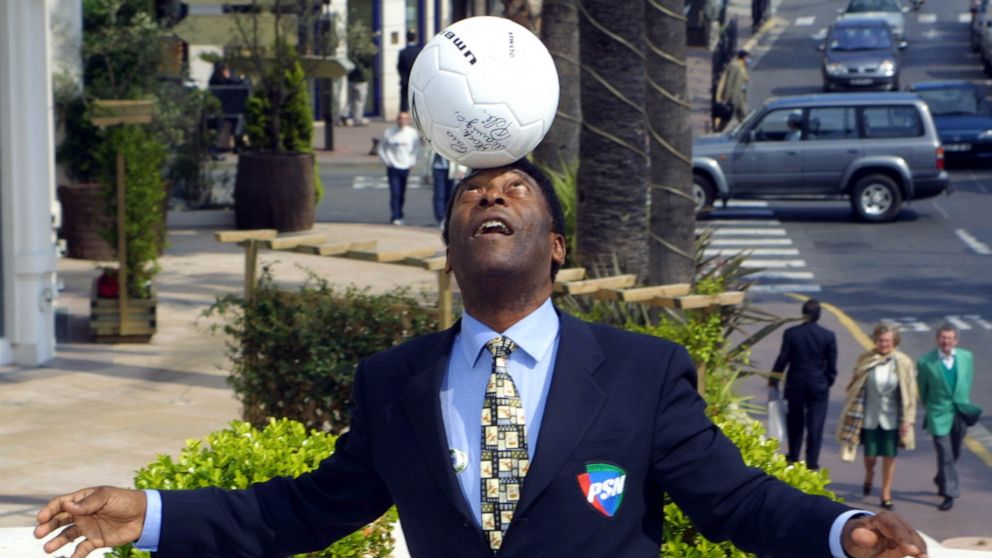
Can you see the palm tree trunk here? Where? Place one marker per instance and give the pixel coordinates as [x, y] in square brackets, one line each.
[612, 179]
[672, 215]
[559, 26]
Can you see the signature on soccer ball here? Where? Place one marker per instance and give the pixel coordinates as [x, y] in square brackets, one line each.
[480, 134]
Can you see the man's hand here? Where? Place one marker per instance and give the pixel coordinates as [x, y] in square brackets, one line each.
[886, 535]
[105, 516]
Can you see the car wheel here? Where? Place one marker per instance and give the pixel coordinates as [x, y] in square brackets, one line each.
[876, 199]
[704, 194]
[895, 85]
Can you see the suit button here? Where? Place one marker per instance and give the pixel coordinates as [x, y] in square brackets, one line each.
[467, 525]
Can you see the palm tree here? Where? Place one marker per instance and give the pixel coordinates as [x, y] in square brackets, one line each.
[559, 25]
[612, 192]
[672, 210]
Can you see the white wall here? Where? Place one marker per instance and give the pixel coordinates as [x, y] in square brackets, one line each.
[27, 170]
[393, 40]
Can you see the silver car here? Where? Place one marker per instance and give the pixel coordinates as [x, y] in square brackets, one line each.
[877, 150]
[892, 11]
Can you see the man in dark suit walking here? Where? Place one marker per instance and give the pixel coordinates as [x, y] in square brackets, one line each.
[520, 432]
[809, 361]
[404, 65]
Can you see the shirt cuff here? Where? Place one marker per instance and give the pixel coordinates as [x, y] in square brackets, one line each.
[152, 528]
[837, 529]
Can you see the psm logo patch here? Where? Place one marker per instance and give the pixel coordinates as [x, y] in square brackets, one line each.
[603, 485]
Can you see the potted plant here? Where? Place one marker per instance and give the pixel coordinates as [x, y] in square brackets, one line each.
[277, 184]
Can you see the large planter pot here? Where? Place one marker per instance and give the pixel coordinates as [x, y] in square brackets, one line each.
[105, 323]
[85, 221]
[275, 191]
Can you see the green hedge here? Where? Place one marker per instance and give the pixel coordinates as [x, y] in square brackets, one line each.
[294, 354]
[242, 455]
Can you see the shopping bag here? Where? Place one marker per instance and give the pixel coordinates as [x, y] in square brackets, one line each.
[776, 414]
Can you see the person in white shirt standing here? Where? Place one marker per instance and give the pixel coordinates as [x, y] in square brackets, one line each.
[398, 150]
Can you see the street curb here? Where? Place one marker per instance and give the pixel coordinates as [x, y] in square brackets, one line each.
[760, 33]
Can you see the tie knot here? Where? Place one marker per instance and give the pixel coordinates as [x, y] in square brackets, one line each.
[501, 347]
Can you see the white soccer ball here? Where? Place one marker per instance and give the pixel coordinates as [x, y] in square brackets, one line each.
[484, 92]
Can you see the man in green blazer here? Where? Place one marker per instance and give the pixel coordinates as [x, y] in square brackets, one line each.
[944, 377]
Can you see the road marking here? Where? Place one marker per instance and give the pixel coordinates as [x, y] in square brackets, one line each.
[744, 222]
[752, 251]
[744, 231]
[382, 183]
[978, 440]
[978, 183]
[751, 242]
[927, 18]
[750, 263]
[964, 18]
[907, 324]
[819, 35]
[958, 322]
[978, 320]
[940, 209]
[976, 245]
[786, 288]
[808, 20]
[782, 275]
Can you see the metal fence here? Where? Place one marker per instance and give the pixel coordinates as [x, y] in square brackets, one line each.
[726, 49]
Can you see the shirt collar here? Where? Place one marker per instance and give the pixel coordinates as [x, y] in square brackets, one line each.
[534, 334]
[946, 355]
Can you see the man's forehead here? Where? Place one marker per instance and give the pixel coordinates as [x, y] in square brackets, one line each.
[484, 176]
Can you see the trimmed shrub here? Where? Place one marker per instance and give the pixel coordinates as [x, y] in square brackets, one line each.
[242, 455]
[294, 354]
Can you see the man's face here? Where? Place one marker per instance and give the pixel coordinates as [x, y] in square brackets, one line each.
[403, 119]
[500, 225]
[947, 340]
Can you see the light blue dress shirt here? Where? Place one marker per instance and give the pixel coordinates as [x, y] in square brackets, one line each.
[462, 390]
[464, 387]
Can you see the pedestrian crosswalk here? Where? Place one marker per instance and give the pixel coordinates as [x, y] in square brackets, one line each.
[364, 182]
[922, 18]
[744, 226]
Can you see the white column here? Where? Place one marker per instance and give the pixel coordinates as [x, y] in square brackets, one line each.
[27, 171]
[393, 40]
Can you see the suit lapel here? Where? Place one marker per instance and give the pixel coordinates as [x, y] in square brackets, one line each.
[574, 400]
[422, 405]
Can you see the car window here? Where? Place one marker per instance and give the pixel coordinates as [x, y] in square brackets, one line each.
[858, 6]
[860, 38]
[775, 126]
[891, 122]
[833, 123]
[951, 101]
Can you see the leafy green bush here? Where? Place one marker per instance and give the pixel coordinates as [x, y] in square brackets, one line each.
[243, 455]
[293, 354]
[144, 196]
[683, 540]
[295, 124]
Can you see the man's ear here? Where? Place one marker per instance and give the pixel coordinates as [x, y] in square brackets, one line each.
[558, 250]
[447, 260]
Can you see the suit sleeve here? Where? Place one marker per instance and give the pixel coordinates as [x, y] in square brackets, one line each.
[704, 474]
[831, 359]
[284, 515]
[784, 357]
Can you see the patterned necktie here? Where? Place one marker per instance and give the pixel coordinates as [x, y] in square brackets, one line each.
[504, 460]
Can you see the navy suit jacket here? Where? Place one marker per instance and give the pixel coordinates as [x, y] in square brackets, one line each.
[809, 355]
[616, 398]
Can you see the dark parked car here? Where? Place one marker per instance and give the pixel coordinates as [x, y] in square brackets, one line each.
[963, 117]
[860, 53]
[892, 11]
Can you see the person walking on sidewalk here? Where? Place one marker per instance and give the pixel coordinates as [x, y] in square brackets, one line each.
[944, 375]
[880, 409]
[732, 88]
[404, 65]
[809, 361]
[398, 150]
[519, 420]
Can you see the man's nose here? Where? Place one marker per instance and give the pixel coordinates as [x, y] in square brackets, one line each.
[492, 196]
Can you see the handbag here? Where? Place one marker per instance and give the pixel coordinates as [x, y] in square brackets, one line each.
[968, 412]
[723, 111]
[776, 415]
